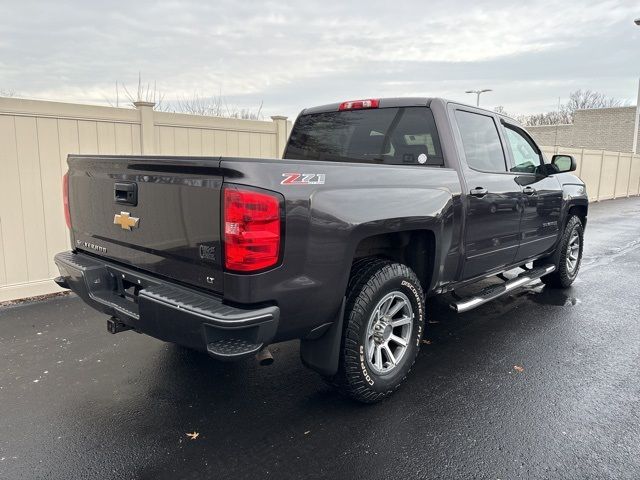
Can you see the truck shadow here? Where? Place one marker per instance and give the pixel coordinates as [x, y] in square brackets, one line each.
[442, 322]
[280, 416]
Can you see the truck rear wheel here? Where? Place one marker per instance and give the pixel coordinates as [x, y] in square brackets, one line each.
[568, 256]
[383, 325]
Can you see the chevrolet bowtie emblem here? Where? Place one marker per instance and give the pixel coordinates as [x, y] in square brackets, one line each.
[125, 220]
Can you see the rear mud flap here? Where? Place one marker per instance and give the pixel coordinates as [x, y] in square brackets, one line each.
[323, 354]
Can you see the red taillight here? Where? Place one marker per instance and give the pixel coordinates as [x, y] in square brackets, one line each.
[359, 104]
[251, 229]
[65, 199]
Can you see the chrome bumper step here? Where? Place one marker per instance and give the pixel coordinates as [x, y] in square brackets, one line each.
[494, 291]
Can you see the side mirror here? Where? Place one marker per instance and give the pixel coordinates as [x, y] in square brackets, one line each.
[564, 163]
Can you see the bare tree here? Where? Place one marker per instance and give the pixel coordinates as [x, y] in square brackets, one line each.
[142, 93]
[500, 109]
[585, 99]
[213, 106]
[578, 100]
[7, 93]
[558, 117]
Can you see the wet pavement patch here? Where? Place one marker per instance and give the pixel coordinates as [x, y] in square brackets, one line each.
[539, 384]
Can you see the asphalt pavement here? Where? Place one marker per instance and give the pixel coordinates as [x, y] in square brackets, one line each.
[539, 384]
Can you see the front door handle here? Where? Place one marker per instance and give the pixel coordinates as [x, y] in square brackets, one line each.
[529, 191]
[479, 192]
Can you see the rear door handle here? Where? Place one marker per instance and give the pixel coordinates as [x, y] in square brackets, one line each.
[479, 192]
[529, 191]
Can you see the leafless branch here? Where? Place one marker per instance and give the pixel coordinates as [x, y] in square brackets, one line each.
[196, 104]
[578, 100]
[213, 106]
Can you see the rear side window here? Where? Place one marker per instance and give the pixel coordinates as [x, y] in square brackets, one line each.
[394, 136]
[481, 142]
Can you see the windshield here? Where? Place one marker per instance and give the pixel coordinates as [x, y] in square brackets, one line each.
[394, 136]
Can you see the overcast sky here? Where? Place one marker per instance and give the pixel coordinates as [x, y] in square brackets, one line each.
[292, 54]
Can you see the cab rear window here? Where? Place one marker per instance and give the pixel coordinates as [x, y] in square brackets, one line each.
[394, 136]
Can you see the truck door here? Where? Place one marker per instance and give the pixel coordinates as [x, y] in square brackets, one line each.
[541, 198]
[492, 227]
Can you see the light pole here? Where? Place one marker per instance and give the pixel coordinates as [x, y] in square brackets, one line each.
[637, 121]
[478, 92]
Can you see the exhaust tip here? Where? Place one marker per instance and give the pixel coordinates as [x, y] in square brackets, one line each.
[264, 357]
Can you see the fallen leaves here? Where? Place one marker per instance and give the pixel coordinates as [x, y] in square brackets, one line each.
[427, 342]
[518, 368]
[193, 435]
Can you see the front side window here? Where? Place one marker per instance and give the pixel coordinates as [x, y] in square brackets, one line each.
[395, 136]
[526, 156]
[481, 142]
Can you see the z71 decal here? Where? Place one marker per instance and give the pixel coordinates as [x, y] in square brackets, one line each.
[303, 179]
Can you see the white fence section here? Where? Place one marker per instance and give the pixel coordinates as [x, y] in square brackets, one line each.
[607, 174]
[37, 136]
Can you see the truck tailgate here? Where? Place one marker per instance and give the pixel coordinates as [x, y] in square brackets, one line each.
[157, 214]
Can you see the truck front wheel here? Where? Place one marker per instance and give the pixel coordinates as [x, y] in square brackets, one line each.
[567, 257]
[383, 326]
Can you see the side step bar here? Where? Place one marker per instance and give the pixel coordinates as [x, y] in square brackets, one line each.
[494, 291]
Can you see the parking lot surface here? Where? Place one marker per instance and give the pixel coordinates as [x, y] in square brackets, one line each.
[539, 384]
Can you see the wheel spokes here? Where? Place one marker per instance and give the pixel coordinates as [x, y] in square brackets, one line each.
[389, 355]
[384, 308]
[396, 308]
[400, 341]
[400, 321]
[372, 348]
[378, 357]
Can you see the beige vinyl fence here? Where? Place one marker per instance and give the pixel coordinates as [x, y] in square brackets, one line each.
[607, 174]
[37, 136]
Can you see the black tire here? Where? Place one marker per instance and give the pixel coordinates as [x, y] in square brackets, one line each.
[372, 280]
[564, 276]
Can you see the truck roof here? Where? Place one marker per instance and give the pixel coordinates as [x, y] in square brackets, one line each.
[401, 102]
[384, 103]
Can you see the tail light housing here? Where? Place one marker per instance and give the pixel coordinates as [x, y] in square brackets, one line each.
[359, 104]
[65, 199]
[252, 229]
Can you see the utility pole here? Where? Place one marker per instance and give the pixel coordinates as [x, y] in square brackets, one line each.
[478, 92]
[555, 142]
[637, 122]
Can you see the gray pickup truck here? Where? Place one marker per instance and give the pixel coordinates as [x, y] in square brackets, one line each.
[376, 205]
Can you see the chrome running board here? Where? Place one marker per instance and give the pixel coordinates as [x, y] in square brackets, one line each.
[494, 291]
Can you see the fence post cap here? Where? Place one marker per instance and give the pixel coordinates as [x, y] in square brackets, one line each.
[278, 117]
[140, 104]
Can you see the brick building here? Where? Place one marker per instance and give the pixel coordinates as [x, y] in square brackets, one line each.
[599, 128]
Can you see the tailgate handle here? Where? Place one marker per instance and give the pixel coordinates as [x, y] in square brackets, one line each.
[126, 193]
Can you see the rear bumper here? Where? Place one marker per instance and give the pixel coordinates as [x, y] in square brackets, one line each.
[167, 311]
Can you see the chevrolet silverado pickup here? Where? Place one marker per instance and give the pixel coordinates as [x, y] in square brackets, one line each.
[375, 206]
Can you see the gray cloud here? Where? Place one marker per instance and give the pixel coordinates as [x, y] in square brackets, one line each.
[295, 54]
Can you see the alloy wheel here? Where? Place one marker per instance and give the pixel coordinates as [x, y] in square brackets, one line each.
[389, 332]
